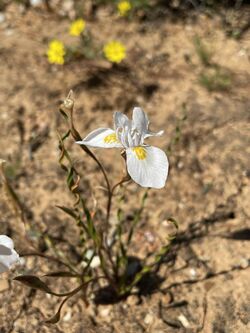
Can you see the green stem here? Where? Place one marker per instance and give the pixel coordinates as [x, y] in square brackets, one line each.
[111, 193]
[105, 242]
[75, 134]
[48, 257]
[77, 137]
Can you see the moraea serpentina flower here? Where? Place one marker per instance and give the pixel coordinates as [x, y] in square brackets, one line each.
[8, 256]
[146, 165]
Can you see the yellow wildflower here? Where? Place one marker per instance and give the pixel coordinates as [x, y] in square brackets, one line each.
[56, 52]
[114, 51]
[124, 7]
[77, 27]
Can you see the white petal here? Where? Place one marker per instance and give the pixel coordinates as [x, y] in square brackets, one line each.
[148, 168]
[148, 134]
[102, 137]
[6, 242]
[3, 268]
[7, 261]
[5, 250]
[124, 137]
[8, 256]
[121, 120]
[140, 120]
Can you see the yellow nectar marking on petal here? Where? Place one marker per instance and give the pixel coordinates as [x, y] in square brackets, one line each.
[140, 152]
[111, 138]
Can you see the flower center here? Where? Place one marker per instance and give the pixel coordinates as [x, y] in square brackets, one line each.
[140, 152]
[111, 138]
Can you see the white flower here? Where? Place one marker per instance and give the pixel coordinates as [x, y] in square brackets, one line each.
[8, 256]
[146, 165]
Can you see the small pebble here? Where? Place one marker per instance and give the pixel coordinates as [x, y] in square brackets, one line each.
[180, 165]
[148, 319]
[192, 272]
[244, 263]
[181, 205]
[132, 300]
[2, 17]
[4, 285]
[189, 28]
[105, 312]
[9, 32]
[95, 262]
[242, 53]
[149, 236]
[183, 321]
[35, 2]
[67, 316]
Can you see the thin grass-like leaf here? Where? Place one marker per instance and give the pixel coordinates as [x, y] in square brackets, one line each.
[137, 217]
[68, 211]
[61, 274]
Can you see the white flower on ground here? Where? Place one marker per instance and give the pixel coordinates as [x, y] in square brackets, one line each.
[146, 165]
[8, 256]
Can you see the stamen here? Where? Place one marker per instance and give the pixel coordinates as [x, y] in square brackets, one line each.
[140, 152]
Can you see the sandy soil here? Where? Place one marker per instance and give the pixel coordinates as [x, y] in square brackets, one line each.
[206, 287]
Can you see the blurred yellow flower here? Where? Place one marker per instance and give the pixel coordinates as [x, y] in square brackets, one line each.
[56, 52]
[114, 51]
[77, 27]
[124, 7]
